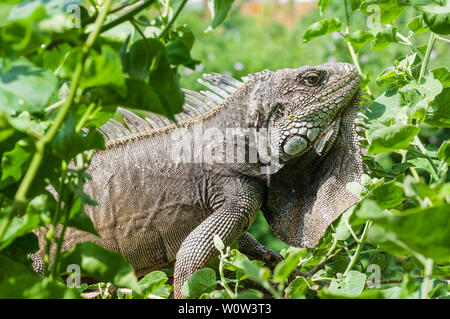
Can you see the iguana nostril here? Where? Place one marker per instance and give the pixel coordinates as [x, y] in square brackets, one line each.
[295, 145]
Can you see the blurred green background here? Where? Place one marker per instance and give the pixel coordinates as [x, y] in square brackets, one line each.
[258, 35]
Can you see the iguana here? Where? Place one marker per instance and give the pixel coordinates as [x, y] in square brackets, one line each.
[158, 210]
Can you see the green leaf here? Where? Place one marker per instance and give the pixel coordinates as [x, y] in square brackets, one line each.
[421, 189]
[99, 116]
[439, 290]
[141, 95]
[384, 109]
[392, 138]
[101, 69]
[178, 54]
[218, 243]
[22, 37]
[139, 57]
[164, 291]
[408, 290]
[28, 124]
[152, 282]
[67, 143]
[341, 263]
[439, 111]
[444, 152]
[251, 269]
[21, 247]
[219, 10]
[101, 264]
[34, 287]
[437, 17]
[322, 5]
[409, 265]
[441, 74]
[350, 285]
[5, 9]
[423, 230]
[387, 195]
[148, 65]
[355, 4]
[15, 162]
[11, 268]
[24, 9]
[25, 87]
[341, 231]
[250, 294]
[284, 269]
[388, 10]
[320, 28]
[215, 294]
[417, 25]
[384, 37]
[18, 227]
[203, 280]
[380, 260]
[418, 97]
[297, 287]
[360, 38]
[78, 217]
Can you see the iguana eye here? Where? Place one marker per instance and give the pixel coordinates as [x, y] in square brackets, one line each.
[312, 79]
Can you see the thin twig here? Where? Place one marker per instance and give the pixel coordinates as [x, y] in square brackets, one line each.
[329, 259]
[167, 27]
[131, 13]
[424, 65]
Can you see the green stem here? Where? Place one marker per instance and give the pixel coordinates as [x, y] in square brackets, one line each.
[270, 289]
[350, 229]
[60, 239]
[84, 118]
[175, 16]
[127, 15]
[412, 169]
[222, 276]
[51, 232]
[21, 194]
[423, 153]
[350, 47]
[426, 58]
[329, 259]
[9, 215]
[409, 44]
[426, 285]
[358, 248]
[443, 39]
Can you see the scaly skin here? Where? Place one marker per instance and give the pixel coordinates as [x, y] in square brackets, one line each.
[157, 212]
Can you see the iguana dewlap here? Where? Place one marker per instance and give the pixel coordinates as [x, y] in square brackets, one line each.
[158, 207]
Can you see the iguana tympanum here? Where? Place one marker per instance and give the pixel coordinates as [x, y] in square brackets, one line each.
[158, 209]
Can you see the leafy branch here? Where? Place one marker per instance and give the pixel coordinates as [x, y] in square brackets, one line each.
[20, 197]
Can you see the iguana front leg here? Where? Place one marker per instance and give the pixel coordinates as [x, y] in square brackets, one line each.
[228, 222]
[249, 246]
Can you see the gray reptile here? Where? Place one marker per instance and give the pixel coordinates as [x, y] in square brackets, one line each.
[164, 190]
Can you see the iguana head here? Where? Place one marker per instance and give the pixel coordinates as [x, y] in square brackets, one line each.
[313, 110]
[307, 104]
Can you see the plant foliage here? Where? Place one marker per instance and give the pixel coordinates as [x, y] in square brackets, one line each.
[65, 67]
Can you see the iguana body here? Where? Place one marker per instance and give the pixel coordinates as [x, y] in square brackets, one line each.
[157, 212]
